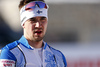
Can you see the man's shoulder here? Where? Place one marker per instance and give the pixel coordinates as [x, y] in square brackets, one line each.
[55, 51]
[5, 52]
[10, 46]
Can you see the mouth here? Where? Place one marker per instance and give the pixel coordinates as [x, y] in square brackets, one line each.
[38, 32]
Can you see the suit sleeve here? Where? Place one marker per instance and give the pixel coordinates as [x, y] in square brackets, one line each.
[7, 59]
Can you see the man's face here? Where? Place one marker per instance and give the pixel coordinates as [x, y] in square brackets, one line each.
[35, 28]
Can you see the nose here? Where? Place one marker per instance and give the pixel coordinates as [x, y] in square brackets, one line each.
[38, 24]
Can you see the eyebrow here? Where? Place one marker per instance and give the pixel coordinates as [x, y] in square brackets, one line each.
[43, 17]
[32, 18]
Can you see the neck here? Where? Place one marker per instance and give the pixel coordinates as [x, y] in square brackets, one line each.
[36, 44]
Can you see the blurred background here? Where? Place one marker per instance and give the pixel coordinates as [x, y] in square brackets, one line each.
[73, 28]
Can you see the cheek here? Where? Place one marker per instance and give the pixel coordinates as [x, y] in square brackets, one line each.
[28, 27]
[45, 26]
[32, 26]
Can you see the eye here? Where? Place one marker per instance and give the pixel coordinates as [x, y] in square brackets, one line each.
[43, 19]
[32, 20]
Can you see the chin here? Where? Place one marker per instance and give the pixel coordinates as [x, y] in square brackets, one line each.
[38, 39]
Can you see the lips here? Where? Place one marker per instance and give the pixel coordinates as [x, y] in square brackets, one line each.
[38, 32]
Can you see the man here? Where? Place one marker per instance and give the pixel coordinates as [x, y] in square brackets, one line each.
[30, 50]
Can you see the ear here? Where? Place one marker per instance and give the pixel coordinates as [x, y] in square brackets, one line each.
[23, 25]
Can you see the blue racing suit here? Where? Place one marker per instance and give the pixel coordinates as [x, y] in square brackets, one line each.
[20, 54]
